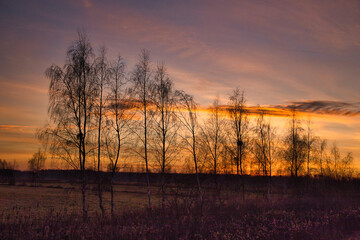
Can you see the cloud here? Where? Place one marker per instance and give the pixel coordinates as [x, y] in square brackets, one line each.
[318, 107]
[324, 107]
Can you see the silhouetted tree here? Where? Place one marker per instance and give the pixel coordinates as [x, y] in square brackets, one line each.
[345, 169]
[264, 146]
[320, 159]
[73, 94]
[310, 142]
[142, 85]
[335, 155]
[295, 146]
[238, 142]
[37, 163]
[6, 165]
[261, 144]
[187, 114]
[164, 124]
[239, 127]
[213, 136]
[102, 74]
[120, 114]
[7, 170]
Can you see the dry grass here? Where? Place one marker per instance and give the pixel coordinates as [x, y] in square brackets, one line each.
[52, 211]
[67, 198]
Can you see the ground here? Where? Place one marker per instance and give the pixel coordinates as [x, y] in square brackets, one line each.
[306, 209]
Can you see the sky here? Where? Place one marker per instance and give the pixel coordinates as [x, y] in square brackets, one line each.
[280, 53]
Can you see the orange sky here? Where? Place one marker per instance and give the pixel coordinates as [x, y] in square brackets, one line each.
[277, 51]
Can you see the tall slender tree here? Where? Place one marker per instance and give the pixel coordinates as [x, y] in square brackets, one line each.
[164, 124]
[239, 127]
[213, 136]
[102, 73]
[261, 144]
[187, 114]
[73, 95]
[295, 146]
[121, 112]
[322, 156]
[310, 141]
[141, 79]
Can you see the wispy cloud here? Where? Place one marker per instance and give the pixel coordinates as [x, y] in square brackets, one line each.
[324, 107]
[315, 107]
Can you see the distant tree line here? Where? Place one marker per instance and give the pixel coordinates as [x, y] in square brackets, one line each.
[105, 116]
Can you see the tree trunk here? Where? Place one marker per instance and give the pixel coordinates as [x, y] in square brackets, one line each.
[196, 170]
[112, 196]
[100, 195]
[83, 192]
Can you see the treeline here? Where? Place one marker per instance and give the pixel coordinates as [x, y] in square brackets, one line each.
[107, 116]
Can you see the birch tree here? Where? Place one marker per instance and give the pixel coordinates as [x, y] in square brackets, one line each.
[187, 114]
[72, 97]
[141, 79]
[164, 123]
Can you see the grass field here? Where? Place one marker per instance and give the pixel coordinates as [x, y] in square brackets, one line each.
[67, 198]
[316, 210]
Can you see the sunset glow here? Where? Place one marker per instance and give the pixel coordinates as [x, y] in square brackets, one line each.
[280, 53]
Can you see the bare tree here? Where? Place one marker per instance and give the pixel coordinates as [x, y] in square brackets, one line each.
[121, 113]
[335, 154]
[37, 163]
[5, 165]
[102, 73]
[264, 146]
[322, 156]
[72, 100]
[7, 171]
[337, 166]
[261, 144]
[165, 124]
[272, 146]
[213, 136]
[310, 141]
[142, 86]
[239, 128]
[187, 114]
[345, 167]
[295, 146]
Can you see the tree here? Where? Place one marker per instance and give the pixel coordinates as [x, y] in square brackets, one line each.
[37, 163]
[337, 166]
[213, 136]
[165, 124]
[335, 154]
[102, 74]
[310, 141]
[120, 110]
[322, 156]
[142, 86]
[6, 165]
[345, 167]
[261, 145]
[238, 116]
[7, 171]
[187, 114]
[295, 146]
[72, 98]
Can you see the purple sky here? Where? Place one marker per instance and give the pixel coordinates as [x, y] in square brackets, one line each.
[277, 51]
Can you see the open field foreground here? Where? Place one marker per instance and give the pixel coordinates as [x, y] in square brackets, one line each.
[301, 209]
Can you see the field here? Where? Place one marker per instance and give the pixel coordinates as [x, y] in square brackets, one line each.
[293, 209]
